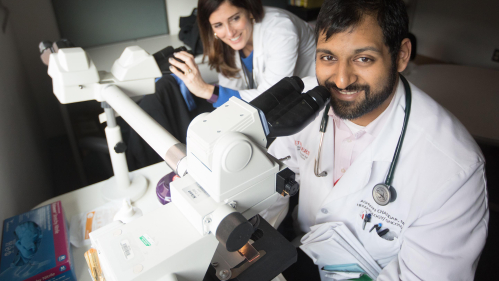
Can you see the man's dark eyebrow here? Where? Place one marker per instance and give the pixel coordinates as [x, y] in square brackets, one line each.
[325, 51]
[374, 49]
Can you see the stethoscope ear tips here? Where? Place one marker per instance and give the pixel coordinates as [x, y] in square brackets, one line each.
[322, 174]
[317, 167]
[384, 194]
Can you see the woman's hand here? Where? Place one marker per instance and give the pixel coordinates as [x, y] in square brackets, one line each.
[191, 77]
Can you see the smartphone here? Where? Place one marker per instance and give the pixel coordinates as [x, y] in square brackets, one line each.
[164, 55]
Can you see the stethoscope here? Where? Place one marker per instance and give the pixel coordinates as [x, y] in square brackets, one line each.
[383, 193]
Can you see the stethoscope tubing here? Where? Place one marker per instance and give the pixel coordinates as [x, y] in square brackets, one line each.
[317, 164]
[408, 103]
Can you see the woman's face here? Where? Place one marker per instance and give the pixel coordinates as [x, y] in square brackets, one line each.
[233, 26]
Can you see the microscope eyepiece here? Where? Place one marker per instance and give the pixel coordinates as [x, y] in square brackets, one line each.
[287, 111]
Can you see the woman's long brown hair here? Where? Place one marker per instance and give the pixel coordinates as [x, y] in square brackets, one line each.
[221, 57]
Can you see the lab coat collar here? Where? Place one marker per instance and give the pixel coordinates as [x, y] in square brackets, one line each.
[386, 142]
[257, 51]
[380, 150]
[373, 129]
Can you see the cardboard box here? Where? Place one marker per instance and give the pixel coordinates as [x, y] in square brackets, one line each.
[35, 246]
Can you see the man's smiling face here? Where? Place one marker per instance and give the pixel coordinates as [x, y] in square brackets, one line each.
[356, 66]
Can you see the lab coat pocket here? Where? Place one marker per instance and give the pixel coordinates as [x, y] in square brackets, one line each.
[382, 249]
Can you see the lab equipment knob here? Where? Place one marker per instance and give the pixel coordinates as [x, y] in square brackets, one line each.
[234, 231]
[291, 187]
[286, 184]
[120, 147]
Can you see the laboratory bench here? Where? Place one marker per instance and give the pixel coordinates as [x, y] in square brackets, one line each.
[90, 197]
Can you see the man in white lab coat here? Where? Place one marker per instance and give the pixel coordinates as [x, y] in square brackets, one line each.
[437, 224]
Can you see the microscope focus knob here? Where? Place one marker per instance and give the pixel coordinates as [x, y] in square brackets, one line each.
[291, 187]
[234, 231]
[286, 184]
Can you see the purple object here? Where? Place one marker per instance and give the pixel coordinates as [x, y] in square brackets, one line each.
[163, 189]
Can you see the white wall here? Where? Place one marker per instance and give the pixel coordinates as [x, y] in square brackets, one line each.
[176, 9]
[458, 31]
[33, 21]
[24, 180]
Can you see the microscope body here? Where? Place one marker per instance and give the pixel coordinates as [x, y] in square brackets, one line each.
[226, 176]
[229, 172]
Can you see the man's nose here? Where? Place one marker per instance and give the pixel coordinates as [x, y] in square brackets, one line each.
[344, 75]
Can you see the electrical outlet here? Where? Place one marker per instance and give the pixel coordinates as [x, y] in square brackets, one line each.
[495, 56]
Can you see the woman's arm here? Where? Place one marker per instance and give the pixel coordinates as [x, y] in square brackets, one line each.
[224, 94]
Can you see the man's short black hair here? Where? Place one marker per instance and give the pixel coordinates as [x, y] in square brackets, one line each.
[340, 15]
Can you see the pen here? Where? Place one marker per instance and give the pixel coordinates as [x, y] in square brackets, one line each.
[367, 219]
[377, 226]
[383, 232]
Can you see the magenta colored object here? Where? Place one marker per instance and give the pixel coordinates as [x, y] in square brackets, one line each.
[163, 189]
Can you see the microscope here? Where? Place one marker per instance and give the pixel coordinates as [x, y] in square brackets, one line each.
[212, 229]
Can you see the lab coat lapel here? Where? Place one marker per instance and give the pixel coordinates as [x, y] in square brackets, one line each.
[385, 143]
[380, 150]
[354, 179]
[257, 51]
[317, 188]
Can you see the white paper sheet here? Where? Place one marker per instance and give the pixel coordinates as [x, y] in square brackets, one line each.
[333, 243]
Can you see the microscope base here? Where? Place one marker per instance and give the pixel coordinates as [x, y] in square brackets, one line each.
[278, 255]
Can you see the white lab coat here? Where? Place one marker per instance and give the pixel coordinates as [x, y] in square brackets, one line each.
[440, 215]
[283, 45]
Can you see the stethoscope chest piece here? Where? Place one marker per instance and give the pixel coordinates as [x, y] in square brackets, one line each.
[384, 194]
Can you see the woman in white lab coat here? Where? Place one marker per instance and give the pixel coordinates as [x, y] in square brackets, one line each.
[251, 47]
[438, 221]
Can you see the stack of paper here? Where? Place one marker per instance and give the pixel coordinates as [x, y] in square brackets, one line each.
[333, 244]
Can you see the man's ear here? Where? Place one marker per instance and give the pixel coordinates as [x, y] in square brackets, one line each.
[404, 54]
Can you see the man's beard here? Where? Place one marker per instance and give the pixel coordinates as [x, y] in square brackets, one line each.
[351, 109]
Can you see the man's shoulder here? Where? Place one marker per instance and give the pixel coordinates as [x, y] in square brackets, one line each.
[441, 131]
